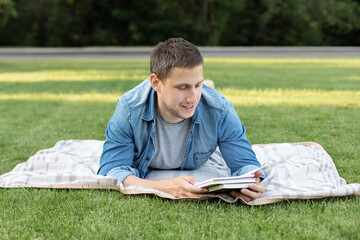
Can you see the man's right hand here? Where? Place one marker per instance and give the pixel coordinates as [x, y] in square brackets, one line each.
[182, 187]
[179, 187]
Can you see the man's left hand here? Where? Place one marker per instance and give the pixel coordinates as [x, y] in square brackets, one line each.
[254, 189]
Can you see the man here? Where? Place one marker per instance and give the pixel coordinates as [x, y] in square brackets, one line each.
[173, 121]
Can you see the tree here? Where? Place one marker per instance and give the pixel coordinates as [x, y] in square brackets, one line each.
[7, 11]
[203, 22]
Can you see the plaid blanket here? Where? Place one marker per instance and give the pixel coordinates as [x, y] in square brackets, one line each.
[294, 170]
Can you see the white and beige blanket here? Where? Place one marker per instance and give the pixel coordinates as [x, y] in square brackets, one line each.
[294, 171]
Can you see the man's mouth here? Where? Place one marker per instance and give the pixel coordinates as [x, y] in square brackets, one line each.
[189, 108]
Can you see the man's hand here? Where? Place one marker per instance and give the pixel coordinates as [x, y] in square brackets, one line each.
[254, 189]
[182, 187]
[179, 187]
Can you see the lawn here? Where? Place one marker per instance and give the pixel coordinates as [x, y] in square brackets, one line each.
[278, 100]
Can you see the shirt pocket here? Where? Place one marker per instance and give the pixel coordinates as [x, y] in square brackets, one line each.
[201, 158]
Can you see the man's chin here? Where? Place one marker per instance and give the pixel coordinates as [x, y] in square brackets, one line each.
[188, 115]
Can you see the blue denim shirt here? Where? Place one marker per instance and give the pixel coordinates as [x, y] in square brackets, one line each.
[130, 137]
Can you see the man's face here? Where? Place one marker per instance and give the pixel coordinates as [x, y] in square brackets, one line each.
[179, 94]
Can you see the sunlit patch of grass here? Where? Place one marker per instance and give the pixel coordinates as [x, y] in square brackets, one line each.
[288, 62]
[70, 75]
[354, 78]
[86, 97]
[321, 74]
[291, 97]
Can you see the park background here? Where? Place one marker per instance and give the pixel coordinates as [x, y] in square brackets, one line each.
[287, 98]
[69, 23]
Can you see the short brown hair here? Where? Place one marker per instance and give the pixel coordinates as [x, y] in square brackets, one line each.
[174, 52]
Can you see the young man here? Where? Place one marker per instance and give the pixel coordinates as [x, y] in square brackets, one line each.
[173, 121]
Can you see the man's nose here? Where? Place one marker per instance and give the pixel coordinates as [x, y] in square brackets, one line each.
[191, 95]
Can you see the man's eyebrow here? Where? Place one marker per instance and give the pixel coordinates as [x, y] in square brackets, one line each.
[186, 84]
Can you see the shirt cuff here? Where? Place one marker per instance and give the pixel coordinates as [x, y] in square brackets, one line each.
[247, 169]
[121, 173]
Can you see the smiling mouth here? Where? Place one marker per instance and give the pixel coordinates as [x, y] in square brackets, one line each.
[189, 108]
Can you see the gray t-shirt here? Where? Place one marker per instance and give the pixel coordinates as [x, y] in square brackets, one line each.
[171, 140]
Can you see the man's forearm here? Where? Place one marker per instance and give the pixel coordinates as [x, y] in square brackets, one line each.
[161, 185]
[134, 180]
[179, 187]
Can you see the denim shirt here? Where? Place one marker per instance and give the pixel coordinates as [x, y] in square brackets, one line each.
[130, 137]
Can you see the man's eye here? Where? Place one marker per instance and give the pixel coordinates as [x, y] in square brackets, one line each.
[182, 88]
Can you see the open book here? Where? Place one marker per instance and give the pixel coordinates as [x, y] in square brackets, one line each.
[229, 183]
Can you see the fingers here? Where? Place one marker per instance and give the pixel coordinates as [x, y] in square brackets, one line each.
[252, 193]
[193, 189]
[188, 185]
[249, 193]
[189, 179]
[256, 188]
[258, 173]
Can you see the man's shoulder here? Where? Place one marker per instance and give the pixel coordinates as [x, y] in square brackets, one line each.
[213, 99]
[137, 96]
[134, 103]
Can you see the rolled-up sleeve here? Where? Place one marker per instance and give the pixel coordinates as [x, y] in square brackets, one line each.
[121, 173]
[246, 169]
[118, 150]
[234, 146]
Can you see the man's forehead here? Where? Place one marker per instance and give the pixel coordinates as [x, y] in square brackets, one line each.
[179, 71]
[188, 68]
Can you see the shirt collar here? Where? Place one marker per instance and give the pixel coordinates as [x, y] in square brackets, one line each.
[150, 106]
[197, 116]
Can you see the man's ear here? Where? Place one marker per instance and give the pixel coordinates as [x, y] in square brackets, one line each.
[155, 82]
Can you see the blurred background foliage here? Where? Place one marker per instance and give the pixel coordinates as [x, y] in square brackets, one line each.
[55, 23]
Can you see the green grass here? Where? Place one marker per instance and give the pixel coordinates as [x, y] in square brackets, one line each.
[278, 100]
